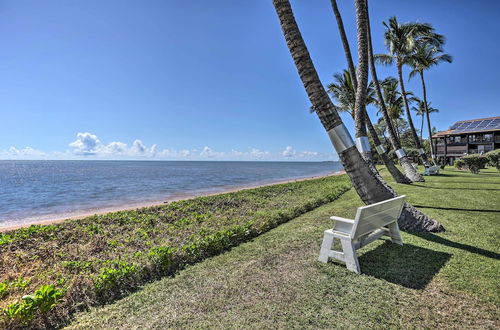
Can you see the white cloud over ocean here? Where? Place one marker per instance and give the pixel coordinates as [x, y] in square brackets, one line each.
[89, 146]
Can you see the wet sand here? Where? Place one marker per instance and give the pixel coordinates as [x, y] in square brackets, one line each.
[128, 207]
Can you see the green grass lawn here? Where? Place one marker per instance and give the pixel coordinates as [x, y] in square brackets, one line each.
[97, 259]
[445, 280]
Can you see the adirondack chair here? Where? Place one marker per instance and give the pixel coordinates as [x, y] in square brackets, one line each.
[371, 222]
[432, 170]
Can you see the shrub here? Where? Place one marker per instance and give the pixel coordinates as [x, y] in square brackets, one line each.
[162, 256]
[475, 162]
[494, 158]
[110, 277]
[459, 164]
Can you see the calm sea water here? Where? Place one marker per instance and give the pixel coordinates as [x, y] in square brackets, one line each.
[33, 191]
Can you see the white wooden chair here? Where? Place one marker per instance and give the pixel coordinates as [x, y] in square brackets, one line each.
[371, 222]
[432, 170]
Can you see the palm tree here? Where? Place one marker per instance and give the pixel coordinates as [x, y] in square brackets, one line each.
[361, 82]
[370, 187]
[401, 40]
[408, 168]
[425, 57]
[349, 85]
[393, 101]
[423, 109]
[420, 111]
[343, 91]
[345, 41]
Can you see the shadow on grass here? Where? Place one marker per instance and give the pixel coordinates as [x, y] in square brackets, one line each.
[408, 265]
[448, 188]
[474, 182]
[456, 245]
[456, 209]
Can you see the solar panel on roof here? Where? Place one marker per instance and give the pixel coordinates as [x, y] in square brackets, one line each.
[476, 125]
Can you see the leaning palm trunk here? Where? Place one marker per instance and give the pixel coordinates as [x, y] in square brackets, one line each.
[424, 92]
[345, 43]
[421, 151]
[370, 187]
[389, 164]
[362, 84]
[421, 127]
[408, 168]
[393, 170]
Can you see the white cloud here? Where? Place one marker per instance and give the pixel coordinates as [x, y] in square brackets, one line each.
[89, 146]
[138, 147]
[85, 144]
[288, 152]
[258, 154]
[207, 152]
[25, 153]
[116, 148]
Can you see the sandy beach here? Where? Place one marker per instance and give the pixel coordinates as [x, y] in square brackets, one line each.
[85, 213]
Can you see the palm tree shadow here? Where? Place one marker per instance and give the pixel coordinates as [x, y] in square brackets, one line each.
[471, 182]
[408, 265]
[448, 188]
[456, 245]
[456, 209]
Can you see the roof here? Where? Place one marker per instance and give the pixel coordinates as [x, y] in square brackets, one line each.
[472, 126]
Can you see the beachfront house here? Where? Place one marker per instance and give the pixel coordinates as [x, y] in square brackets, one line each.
[465, 137]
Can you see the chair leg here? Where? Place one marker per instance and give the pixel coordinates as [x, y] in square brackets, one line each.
[395, 234]
[326, 246]
[351, 258]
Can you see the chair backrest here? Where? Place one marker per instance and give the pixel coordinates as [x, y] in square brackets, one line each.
[371, 217]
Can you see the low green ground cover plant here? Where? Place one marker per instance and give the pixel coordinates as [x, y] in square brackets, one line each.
[90, 261]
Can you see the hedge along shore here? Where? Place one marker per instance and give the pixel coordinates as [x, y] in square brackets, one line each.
[69, 266]
[177, 197]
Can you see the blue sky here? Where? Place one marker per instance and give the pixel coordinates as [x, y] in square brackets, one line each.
[200, 79]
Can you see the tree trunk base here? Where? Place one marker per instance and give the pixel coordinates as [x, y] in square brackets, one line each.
[410, 171]
[413, 220]
[372, 189]
[395, 173]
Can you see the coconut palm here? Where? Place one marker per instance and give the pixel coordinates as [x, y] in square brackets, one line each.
[370, 187]
[345, 41]
[423, 58]
[401, 40]
[423, 109]
[361, 82]
[347, 88]
[343, 92]
[408, 168]
[394, 101]
[420, 111]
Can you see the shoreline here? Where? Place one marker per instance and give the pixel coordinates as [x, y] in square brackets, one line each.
[173, 198]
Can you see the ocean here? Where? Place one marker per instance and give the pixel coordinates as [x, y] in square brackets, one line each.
[33, 191]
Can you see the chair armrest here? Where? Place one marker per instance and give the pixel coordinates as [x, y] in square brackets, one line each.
[342, 219]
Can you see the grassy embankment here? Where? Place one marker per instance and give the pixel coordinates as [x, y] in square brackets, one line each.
[99, 258]
[445, 280]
